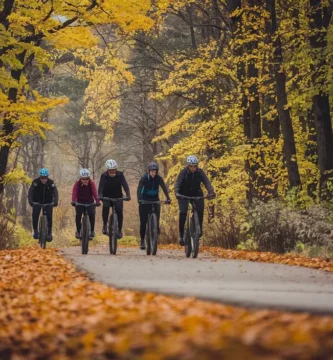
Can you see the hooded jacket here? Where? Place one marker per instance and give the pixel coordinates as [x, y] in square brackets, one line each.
[148, 188]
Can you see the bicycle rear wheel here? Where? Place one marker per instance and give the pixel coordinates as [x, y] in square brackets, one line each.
[85, 234]
[42, 231]
[153, 233]
[147, 237]
[195, 234]
[188, 245]
[113, 233]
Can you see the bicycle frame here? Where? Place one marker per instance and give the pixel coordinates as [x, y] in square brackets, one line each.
[43, 223]
[85, 227]
[113, 224]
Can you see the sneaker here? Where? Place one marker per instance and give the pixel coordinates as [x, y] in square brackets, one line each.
[142, 244]
[120, 234]
[49, 237]
[77, 235]
[105, 229]
[91, 235]
[181, 242]
[36, 234]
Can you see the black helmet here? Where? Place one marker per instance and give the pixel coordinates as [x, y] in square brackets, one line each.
[152, 166]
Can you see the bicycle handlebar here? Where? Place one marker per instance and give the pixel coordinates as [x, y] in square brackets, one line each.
[86, 205]
[116, 199]
[42, 205]
[153, 202]
[193, 197]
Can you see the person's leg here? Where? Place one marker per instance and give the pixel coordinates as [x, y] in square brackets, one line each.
[143, 212]
[92, 216]
[49, 214]
[79, 211]
[158, 214]
[35, 216]
[105, 216]
[200, 208]
[183, 206]
[119, 211]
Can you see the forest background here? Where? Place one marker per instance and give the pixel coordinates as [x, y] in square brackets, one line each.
[245, 85]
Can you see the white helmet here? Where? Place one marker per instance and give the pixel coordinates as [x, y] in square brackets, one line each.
[111, 164]
[192, 160]
[84, 173]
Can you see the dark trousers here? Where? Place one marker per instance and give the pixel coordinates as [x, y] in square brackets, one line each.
[183, 206]
[119, 211]
[144, 210]
[35, 216]
[91, 211]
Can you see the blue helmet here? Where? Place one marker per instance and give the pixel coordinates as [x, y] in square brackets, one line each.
[43, 172]
[192, 160]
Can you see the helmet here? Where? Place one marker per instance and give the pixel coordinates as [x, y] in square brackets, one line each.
[152, 166]
[84, 173]
[111, 164]
[43, 172]
[192, 160]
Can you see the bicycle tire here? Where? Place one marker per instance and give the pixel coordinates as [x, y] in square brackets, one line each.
[195, 234]
[43, 231]
[153, 233]
[85, 234]
[147, 237]
[188, 245]
[113, 236]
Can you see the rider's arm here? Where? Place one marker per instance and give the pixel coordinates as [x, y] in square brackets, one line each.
[165, 189]
[31, 193]
[179, 180]
[55, 194]
[75, 191]
[101, 186]
[125, 186]
[94, 191]
[207, 183]
[140, 187]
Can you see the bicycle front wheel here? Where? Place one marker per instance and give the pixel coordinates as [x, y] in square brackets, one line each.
[188, 245]
[42, 231]
[195, 234]
[113, 233]
[153, 233]
[85, 234]
[147, 237]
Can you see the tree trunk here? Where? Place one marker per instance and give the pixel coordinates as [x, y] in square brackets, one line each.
[319, 21]
[284, 113]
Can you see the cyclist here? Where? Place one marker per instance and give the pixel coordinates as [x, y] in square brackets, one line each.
[44, 191]
[148, 189]
[188, 183]
[110, 185]
[85, 192]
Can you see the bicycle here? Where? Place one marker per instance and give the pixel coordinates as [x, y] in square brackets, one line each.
[152, 227]
[85, 228]
[192, 226]
[42, 224]
[113, 224]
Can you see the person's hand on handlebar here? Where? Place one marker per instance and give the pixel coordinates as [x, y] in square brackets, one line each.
[211, 196]
[73, 203]
[178, 196]
[168, 201]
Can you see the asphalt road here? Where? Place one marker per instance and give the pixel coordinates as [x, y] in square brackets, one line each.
[236, 282]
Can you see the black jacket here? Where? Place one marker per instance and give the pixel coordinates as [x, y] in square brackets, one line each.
[148, 188]
[43, 194]
[189, 184]
[111, 186]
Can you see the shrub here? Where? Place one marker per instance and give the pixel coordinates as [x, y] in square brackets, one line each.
[7, 230]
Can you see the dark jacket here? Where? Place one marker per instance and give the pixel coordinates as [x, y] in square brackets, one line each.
[148, 188]
[111, 186]
[43, 194]
[189, 184]
[85, 193]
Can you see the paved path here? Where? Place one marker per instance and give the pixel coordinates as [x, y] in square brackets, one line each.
[230, 281]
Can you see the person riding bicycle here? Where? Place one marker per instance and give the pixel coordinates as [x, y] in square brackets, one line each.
[43, 191]
[85, 192]
[148, 189]
[110, 185]
[188, 183]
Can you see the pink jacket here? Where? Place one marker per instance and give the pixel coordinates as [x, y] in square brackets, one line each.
[82, 193]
